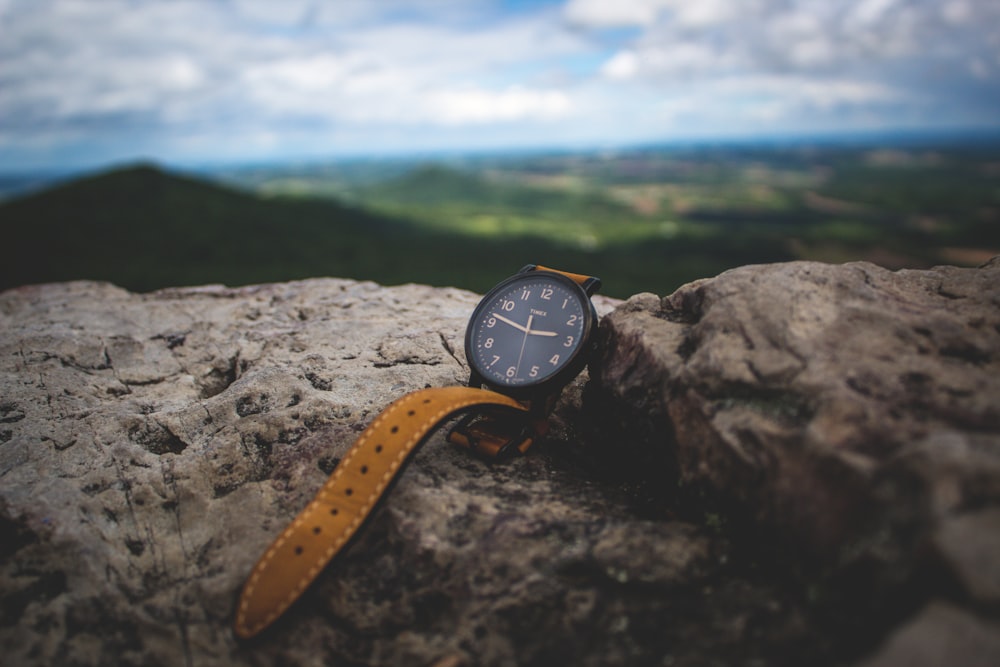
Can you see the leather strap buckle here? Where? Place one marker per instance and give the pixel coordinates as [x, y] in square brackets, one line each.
[497, 437]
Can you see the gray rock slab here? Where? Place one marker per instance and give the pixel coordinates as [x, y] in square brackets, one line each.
[941, 634]
[844, 419]
[152, 445]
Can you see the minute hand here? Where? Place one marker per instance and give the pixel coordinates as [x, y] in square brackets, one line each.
[512, 323]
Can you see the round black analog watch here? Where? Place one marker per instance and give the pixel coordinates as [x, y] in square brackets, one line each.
[531, 334]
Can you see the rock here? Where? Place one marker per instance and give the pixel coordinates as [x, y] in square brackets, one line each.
[941, 635]
[154, 444]
[845, 419]
[151, 446]
[969, 544]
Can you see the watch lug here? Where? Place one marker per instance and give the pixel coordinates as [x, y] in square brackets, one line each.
[528, 268]
[591, 285]
[494, 437]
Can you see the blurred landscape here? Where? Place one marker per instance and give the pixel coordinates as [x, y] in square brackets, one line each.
[649, 142]
[644, 219]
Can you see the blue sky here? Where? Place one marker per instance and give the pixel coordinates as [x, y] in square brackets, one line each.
[88, 83]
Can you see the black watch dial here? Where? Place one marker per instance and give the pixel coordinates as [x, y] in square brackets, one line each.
[529, 330]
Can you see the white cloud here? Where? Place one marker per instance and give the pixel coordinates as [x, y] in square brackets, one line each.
[600, 13]
[767, 102]
[275, 14]
[623, 65]
[704, 13]
[485, 106]
[267, 75]
[115, 58]
[806, 93]
[869, 12]
[686, 13]
[956, 11]
[294, 81]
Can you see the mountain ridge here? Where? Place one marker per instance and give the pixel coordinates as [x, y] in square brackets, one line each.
[145, 228]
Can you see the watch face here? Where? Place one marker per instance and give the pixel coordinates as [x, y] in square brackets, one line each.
[529, 330]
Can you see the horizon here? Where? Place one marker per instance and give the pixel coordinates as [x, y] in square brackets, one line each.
[976, 139]
[202, 85]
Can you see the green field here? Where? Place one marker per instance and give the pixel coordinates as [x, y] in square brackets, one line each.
[644, 220]
[909, 207]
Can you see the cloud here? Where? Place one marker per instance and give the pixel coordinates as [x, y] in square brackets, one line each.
[512, 104]
[188, 79]
[793, 59]
[773, 35]
[767, 101]
[598, 14]
[360, 88]
[164, 58]
[644, 13]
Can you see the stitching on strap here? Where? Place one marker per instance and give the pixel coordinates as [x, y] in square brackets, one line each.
[361, 514]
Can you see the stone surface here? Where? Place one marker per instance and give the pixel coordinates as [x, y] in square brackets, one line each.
[151, 446]
[969, 544]
[941, 635]
[842, 419]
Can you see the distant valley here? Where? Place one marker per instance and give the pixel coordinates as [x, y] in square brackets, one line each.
[645, 221]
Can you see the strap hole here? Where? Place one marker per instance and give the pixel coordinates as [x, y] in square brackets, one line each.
[348, 492]
[298, 551]
[395, 429]
[378, 449]
[411, 413]
[333, 511]
[317, 530]
[427, 400]
[364, 470]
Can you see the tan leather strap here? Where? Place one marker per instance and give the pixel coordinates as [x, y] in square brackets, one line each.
[347, 498]
[578, 278]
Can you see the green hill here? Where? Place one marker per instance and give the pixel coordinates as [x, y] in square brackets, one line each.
[144, 228]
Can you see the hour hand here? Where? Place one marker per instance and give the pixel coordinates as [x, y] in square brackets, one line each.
[512, 323]
[536, 332]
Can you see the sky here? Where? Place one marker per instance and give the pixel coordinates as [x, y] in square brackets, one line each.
[94, 82]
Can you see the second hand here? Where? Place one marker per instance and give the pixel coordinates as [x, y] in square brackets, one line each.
[527, 330]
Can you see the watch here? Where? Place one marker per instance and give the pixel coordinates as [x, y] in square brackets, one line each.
[528, 337]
